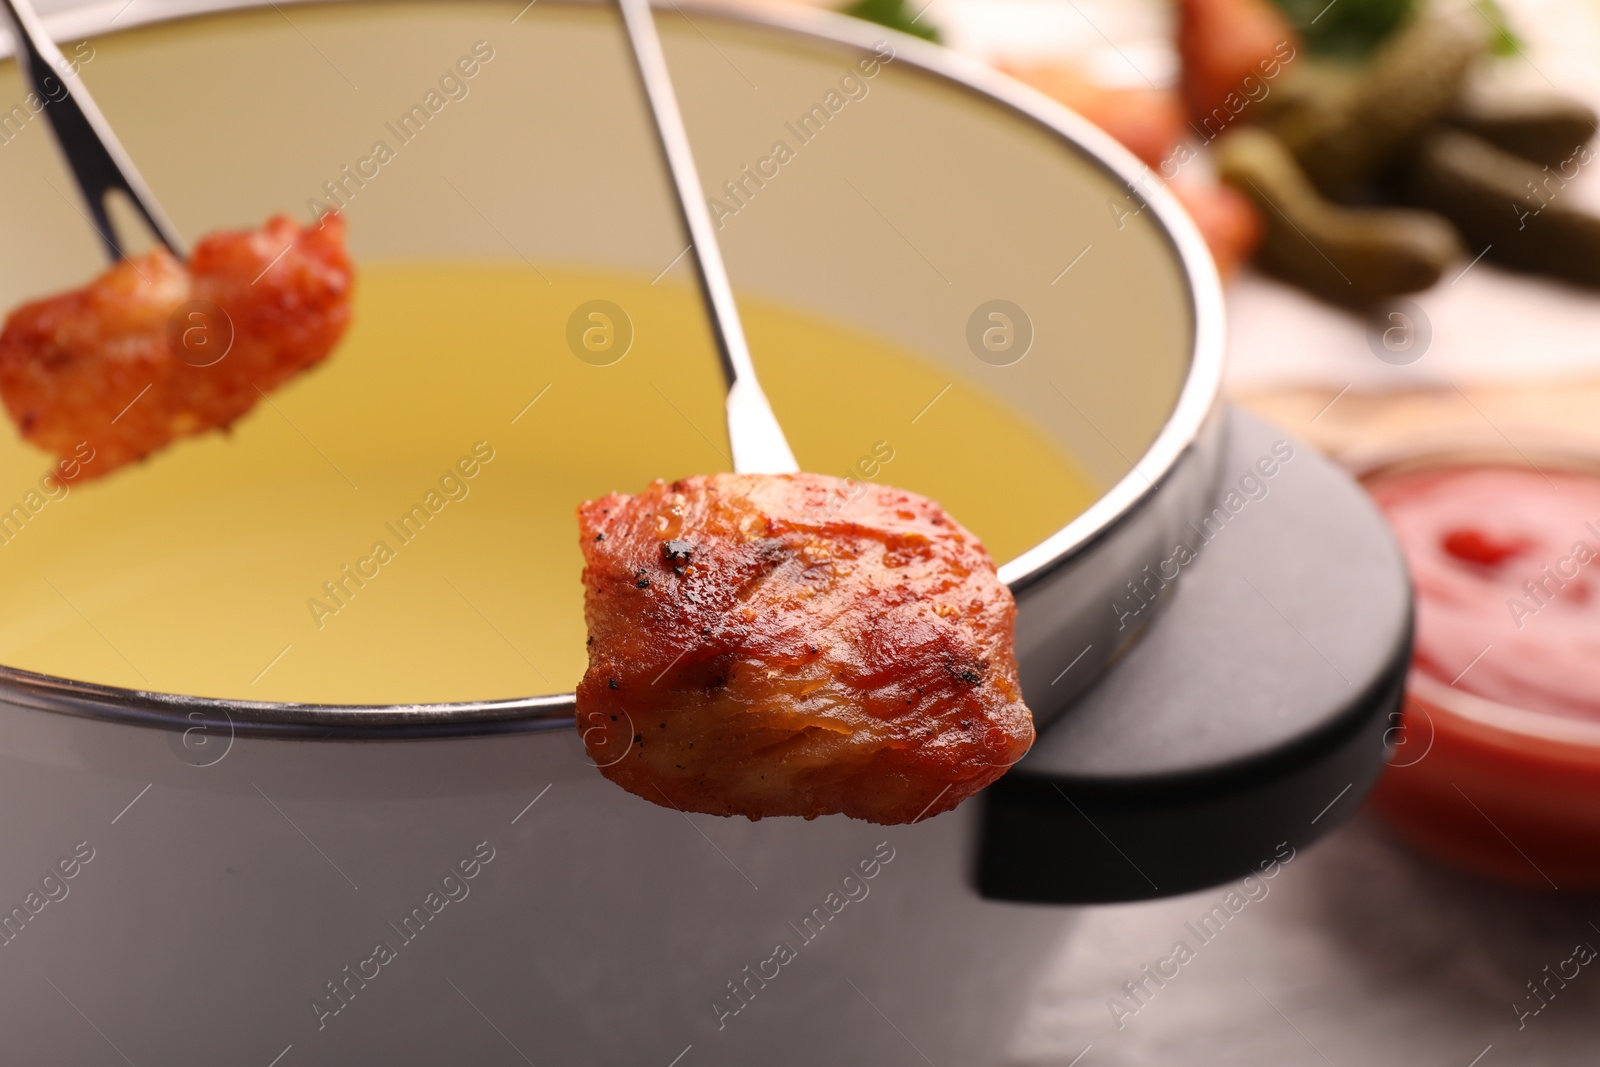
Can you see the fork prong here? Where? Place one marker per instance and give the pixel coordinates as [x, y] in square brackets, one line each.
[97, 160]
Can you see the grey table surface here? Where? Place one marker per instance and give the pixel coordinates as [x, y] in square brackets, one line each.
[1359, 951]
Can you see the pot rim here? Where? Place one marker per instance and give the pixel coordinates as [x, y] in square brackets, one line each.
[1110, 512]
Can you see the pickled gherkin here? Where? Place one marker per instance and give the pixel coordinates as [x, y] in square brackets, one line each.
[1356, 257]
[1521, 213]
[1350, 135]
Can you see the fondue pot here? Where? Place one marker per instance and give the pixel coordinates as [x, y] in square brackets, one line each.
[1213, 649]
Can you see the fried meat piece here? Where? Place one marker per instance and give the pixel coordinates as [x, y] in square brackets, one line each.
[795, 645]
[154, 350]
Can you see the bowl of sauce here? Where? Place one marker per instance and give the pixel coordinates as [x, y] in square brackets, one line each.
[1496, 766]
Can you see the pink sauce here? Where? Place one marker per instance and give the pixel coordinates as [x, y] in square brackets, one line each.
[1506, 559]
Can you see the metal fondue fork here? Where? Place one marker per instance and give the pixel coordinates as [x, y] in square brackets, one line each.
[759, 446]
[96, 159]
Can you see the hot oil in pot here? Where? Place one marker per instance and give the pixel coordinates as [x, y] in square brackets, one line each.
[397, 526]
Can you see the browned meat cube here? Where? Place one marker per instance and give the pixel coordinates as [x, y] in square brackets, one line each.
[791, 645]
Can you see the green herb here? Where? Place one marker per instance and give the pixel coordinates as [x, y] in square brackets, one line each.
[895, 14]
[1346, 28]
[1351, 29]
[1503, 42]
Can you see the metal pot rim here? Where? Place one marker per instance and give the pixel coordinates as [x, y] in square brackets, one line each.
[1111, 512]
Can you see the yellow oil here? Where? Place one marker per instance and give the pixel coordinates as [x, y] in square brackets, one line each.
[247, 565]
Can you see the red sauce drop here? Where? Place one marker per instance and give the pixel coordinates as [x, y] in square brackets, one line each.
[1475, 546]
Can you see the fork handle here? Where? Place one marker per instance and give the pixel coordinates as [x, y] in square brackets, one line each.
[754, 435]
[93, 154]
